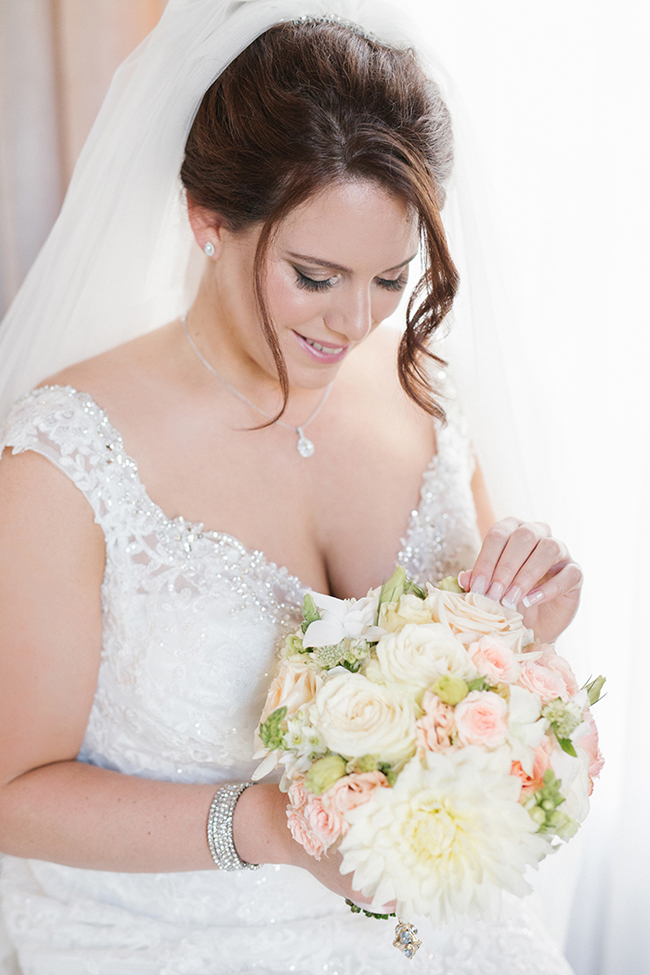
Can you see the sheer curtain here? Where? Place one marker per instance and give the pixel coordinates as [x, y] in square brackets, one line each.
[57, 58]
[557, 96]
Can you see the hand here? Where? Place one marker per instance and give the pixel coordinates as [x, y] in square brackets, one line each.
[327, 872]
[523, 567]
[261, 835]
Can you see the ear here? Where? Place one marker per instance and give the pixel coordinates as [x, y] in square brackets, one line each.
[207, 226]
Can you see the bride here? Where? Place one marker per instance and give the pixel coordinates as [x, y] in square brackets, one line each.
[273, 437]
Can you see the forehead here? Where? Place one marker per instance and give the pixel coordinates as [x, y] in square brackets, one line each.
[353, 224]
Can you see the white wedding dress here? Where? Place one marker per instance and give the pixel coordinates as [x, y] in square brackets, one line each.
[191, 620]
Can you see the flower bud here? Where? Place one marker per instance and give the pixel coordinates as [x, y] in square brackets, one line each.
[450, 690]
[324, 773]
[450, 584]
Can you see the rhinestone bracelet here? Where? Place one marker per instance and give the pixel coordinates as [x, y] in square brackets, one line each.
[220, 839]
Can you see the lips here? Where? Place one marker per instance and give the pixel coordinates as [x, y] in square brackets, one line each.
[320, 351]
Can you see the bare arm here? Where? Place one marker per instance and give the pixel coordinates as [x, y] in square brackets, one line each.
[484, 512]
[51, 806]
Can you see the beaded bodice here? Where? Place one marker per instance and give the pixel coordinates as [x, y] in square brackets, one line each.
[191, 620]
[191, 617]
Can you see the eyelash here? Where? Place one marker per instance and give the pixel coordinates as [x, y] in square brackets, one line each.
[311, 284]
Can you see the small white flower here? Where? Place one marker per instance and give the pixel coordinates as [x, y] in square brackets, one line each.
[525, 726]
[574, 775]
[341, 619]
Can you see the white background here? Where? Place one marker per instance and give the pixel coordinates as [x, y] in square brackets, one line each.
[558, 98]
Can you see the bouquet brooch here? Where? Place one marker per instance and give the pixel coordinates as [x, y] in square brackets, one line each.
[428, 736]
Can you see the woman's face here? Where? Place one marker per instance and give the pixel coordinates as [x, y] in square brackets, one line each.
[336, 267]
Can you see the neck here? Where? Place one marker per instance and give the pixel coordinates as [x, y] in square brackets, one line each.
[239, 377]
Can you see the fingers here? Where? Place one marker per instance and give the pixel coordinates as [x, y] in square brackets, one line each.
[565, 580]
[515, 562]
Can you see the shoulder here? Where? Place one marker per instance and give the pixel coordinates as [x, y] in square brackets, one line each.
[112, 373]
[52, 419]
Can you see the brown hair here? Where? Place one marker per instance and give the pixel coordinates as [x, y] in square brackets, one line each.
[313, 102]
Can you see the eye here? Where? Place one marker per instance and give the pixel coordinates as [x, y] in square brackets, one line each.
[311, 284]
[393, 284]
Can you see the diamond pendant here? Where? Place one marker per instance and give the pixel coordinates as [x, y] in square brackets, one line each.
[304, 446]
[406, 939]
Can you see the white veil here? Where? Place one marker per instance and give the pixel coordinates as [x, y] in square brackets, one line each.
[118, 261]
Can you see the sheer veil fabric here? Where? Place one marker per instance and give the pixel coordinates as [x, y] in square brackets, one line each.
[121, 260]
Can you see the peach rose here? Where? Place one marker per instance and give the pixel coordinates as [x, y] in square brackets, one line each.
[471, 616]
[557, 663]
[541, 680]
[589, 744]
[301, 832]
[531, 783]
[436, 726]
[295, 685]
[325, 823]
[494, 660]
[482, 719]
[298, 795]
[350, 791]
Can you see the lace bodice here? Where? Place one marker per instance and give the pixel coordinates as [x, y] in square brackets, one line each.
[191, 619]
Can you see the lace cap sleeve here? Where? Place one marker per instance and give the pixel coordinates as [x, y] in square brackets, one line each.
[70, 430]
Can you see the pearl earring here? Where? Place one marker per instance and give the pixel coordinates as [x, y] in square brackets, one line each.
[208, 248]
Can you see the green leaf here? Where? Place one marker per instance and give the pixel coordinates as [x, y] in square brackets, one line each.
[270, 732]
[361, 910]
[594, 689]
[387, 769]
[478, 684]
[393, 589]
[413, 587]
[567, 746]
[294, 643]
[309, 611]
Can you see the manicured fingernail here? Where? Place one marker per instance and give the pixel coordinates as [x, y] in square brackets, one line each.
[533, 597]
[512, 597]
[479, 585]
[495, 592]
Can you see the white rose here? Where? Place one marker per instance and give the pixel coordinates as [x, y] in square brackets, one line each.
[357, 717]
[471, 616]
[421, 654]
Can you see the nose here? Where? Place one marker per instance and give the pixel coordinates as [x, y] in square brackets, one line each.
[352, 316]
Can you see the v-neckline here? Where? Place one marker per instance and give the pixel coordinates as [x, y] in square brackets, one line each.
[197, 528]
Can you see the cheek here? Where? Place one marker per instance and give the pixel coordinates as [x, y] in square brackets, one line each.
[288, 304]
[384, 303]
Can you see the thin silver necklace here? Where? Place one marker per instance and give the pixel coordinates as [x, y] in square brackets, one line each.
[305, 447]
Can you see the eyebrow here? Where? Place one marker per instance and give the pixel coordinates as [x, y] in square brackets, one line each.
[331, 266]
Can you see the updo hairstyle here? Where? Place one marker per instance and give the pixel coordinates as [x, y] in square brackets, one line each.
[310, 103]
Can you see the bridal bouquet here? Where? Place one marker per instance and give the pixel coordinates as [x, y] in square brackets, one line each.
[430, 737]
